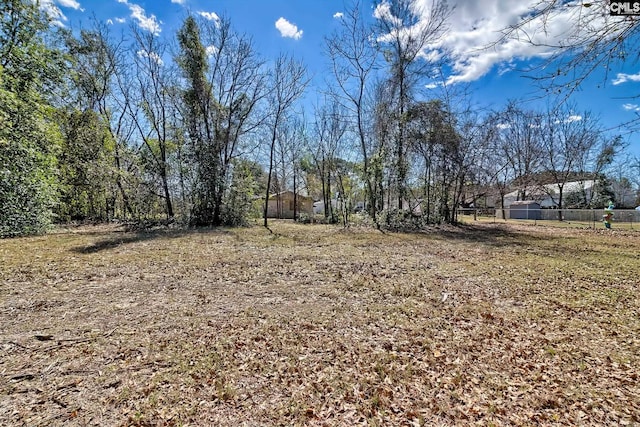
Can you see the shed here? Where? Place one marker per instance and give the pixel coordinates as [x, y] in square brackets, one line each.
[525, 209]
[281, 205]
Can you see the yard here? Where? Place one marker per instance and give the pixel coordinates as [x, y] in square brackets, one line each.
[486, 324]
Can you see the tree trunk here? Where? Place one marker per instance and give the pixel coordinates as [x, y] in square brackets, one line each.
[123, 193]
[167, 195]
[560, 191]
[295, 196]
[271, 155]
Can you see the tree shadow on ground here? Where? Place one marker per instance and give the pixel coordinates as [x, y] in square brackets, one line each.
[497, 235]
[120, 238]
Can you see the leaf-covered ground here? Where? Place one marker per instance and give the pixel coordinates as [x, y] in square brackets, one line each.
[314, 325]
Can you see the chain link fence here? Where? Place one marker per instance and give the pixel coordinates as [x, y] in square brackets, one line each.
[623, 218]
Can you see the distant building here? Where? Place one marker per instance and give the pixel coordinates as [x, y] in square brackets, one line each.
[281, 205]
[336, 205]
[318, 207]
[547, 196]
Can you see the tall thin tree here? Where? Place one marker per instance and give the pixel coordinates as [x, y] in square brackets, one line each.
[405, 29]
[353, 60]
[289, 80]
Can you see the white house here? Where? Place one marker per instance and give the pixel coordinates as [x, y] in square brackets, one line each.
[547, 195]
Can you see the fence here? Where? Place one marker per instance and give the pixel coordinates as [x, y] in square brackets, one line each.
[625, 218]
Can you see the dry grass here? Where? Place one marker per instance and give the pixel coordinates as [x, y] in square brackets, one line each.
[617, 225]
[313, 325]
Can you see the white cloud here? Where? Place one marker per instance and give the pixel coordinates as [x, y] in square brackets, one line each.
[287, 29]
[383, 11]
[473, 41]
[179, 1]
[623, 78]
[211, 16]
[570, 119]
[54, 12]
[73, 4]
[153, 56]
[631, 107]
[211, 50]
[116, 20]
[338, 15]
[149, 23]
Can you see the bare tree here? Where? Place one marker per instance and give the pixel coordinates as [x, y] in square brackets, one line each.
[426, 130]
[472, 154]
[101, 87]
[288, 82]
[496, 165]
[520, 143]
[288, 152]
[152, 111]
[489, 169]
[239, 85]
[436, 140]
[591, 40]
[382, 161]
[568, 139]
[405, 29]
[633, 165]
[353, 59]
[328, 131]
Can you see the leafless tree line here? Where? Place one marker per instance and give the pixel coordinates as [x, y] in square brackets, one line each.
[207, 131]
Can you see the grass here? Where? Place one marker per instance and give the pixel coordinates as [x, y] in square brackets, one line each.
[315, 325]
[598, 224]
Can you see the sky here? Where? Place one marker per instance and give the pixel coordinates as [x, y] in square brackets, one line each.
[492, 75]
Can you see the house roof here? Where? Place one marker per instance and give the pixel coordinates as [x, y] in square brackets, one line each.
[288, 193]
[525, 202]
[569, 187]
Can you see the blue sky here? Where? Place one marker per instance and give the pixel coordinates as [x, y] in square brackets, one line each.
[299, 26]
